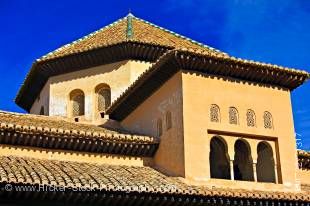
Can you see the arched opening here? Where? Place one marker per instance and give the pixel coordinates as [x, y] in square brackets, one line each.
[219, 159]
[214, 113]
[265, 167]
[268, 122]
[77, 99]
[243, 163]
[168, 120]
[159, 127]
[233, 115]
[250, 118]
[103, 93]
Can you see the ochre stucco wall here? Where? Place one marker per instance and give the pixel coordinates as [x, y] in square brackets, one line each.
[188, 155]
[303, 176]
[200, 91]
[184, 149]
[169, 157]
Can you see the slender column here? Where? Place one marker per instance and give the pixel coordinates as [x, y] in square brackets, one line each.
[254, 171]
[253, 145]
[232, 176]
[231, 154]
[276, 173]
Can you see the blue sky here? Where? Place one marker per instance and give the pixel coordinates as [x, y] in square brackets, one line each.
[274, 31]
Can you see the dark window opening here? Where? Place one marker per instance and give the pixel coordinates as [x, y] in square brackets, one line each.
[243, 163]
[219, 159]
[265, 167]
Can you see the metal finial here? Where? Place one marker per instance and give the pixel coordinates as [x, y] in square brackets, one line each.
[129, 12]
[129, 32]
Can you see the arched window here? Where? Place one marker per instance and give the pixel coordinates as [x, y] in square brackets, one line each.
[77, 99]
[42, 110]
[168, 120]
[103, 92]
[243, 163]
[265, 167]
[219, 160]
[214, 113]
[159, 127]
[250, 118]
[233, 115]
[268, 122]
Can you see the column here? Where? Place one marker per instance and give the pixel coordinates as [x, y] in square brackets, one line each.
[276, 173]
[253, 144]
[254, 171]
[231, 153]
[232, 176]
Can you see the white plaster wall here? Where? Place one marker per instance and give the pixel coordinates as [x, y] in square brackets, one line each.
[42, 101]
[119, 76]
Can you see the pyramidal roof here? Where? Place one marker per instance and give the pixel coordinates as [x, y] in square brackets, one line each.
[137, 39]
[129, 28]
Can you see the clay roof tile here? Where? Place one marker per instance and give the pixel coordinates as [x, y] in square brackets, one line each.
[40, 128]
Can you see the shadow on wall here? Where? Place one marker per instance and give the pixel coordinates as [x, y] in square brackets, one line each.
[87, 72]
[113, 125]
[116, 126]
[234, 80]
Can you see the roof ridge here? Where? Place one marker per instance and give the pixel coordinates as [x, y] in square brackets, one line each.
[179, 35]
[129, 35]
[49, 118]
[129, 28]
[82, 38]
[303, 152]
[36, 116]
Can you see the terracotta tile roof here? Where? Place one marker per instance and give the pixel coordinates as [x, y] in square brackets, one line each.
[202, 62]
[112, 43]
[303, 153]
[149, 33]
[304, 159]
[143, 31]
[59, 133]
[113, 178]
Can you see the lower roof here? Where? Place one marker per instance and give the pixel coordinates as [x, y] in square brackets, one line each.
[303, 159]
[101, 182]
[60, 133]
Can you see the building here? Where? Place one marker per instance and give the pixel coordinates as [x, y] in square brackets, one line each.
[134, 114]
